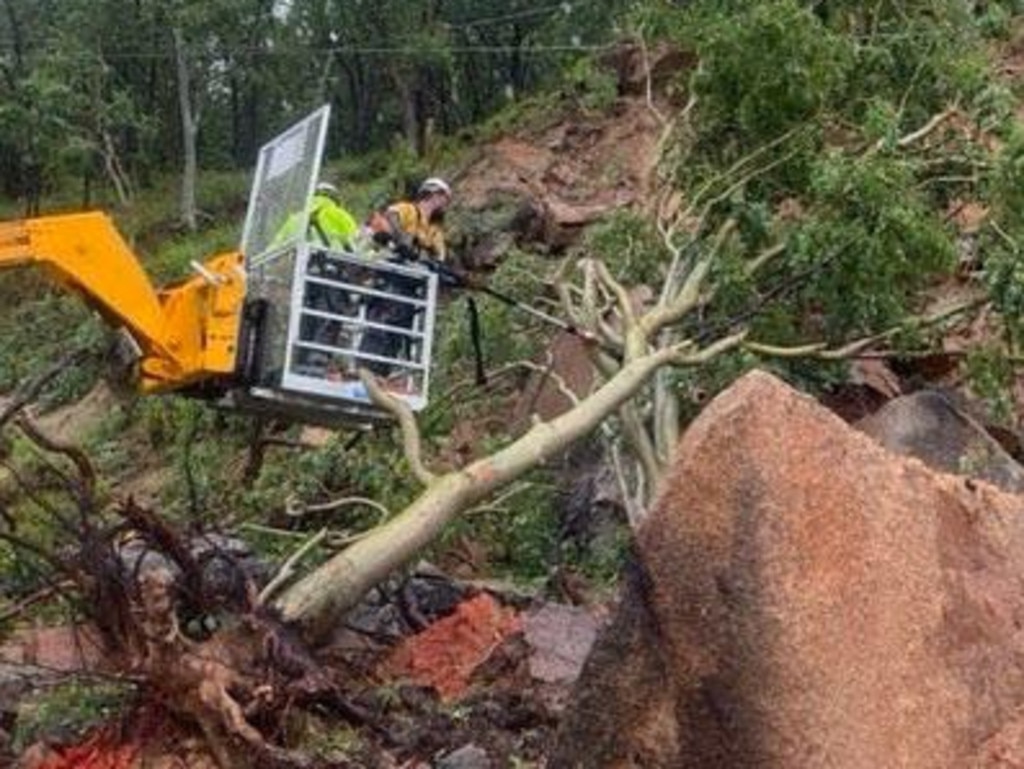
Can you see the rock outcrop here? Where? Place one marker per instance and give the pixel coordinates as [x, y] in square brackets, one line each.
[803, 598]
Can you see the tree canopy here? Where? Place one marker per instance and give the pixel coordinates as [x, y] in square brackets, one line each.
[89, 90]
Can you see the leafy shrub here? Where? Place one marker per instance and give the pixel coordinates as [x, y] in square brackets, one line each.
[880, 239]
[594, 87]
[991, 377]
[38, 330]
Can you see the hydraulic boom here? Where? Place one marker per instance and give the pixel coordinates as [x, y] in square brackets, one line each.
[186, 333]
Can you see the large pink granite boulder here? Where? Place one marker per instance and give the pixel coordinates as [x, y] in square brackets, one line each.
[803, 598]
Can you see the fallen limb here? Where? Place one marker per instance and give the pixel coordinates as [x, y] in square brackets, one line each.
[75, 454]
[288, 568]
[295, 508]
[857, 348]
[318, 601]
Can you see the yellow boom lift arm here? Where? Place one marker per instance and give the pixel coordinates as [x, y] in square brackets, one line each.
[187, 332]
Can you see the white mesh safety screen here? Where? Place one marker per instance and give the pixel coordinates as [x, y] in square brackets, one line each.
[285, 178]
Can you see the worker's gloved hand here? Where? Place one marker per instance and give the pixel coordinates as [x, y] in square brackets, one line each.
[406, 252]
[382, 238]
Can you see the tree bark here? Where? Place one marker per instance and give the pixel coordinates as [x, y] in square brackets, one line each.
[189, 131]
[115, 171]
[413, 120]
[360, 96]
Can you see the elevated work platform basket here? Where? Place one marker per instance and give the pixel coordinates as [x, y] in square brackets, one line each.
[324, 315]
[315, 317]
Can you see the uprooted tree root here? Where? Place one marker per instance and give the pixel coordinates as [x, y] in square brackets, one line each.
[238, 679]
[240, 682]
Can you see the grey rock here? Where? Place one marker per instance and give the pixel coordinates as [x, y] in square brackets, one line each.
[401, 607]
[560, 638]
[467, 757]
[927, 425]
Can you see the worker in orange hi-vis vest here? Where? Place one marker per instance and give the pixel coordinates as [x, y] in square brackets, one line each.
[414, 228]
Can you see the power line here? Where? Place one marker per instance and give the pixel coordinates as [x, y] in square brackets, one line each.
[355, 50]
[564, 6]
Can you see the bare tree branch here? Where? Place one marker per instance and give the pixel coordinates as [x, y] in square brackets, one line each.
[666, 421]
[765, 256]
[24, 397]
[296, 508]
[855, 348]
[547, 371]
[681, 356]
[411, 441]
[689, 295]
[641, 442]
[633, 502]
[921, 133]
[649, 82]
[287, 570]
[78, 457]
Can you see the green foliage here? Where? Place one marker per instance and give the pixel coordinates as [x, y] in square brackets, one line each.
[507, 335]
[335, 745]
[630, 245]
[37, 331]
[78, 103]
[1005, 275]
[1001, 241]
[919, 61]
[521, 534]
[22, 571]
[172, 258]
[991, 377]
[804, 107]
[66, 712]
[595, 87]
[204, 447]
[876, 239]
[765, 70]
[996, 20]
[771, 65]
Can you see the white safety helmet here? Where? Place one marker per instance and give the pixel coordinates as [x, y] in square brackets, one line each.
[435, 184]
[328, 189]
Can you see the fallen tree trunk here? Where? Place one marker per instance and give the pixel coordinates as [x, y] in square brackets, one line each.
[316, 602]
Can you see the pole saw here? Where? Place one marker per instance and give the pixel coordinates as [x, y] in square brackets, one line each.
[457, 278]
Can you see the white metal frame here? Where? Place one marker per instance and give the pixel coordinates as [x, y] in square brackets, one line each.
[415, 368]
